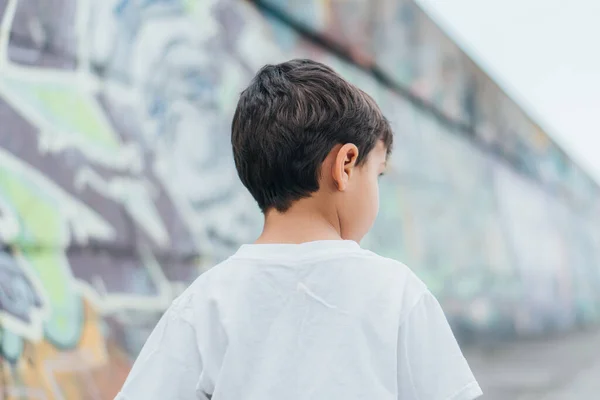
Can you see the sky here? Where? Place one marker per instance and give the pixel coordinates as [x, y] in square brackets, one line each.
[545, 54]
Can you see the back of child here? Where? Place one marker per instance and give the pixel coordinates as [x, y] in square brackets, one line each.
[304, 312]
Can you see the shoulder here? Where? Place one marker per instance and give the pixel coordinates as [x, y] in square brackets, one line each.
[208, 287]
[388, 277]
[393, 270]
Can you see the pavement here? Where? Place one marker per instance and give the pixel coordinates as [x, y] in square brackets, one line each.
[561, 368]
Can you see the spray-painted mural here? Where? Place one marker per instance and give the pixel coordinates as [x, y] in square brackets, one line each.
[117, 186]
[116, 183]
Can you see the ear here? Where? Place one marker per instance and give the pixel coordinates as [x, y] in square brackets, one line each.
[344, 164]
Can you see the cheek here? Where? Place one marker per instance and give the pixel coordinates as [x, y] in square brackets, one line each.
[375, 198]
[369, 199]
[377, 195]
[363, 206]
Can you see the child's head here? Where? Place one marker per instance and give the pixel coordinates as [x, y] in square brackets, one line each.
[300, 131]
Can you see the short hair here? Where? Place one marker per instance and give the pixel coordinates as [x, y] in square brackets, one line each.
[289, 119]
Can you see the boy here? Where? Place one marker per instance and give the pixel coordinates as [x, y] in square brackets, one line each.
[305, 313]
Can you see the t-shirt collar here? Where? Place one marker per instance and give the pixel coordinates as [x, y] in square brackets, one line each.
[296, 251]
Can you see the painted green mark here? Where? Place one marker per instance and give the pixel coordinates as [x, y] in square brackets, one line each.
[12, 345]
[68, 109]
[63, 327]
[40, 219]
[42, 224]
[77, 113]
[190, 6]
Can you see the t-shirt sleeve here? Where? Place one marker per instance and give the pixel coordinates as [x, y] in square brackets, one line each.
[431, 365]
[169, 365]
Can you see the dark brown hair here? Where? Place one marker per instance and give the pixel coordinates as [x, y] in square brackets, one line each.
[289, 119]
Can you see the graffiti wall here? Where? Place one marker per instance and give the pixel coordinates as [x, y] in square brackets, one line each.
[116, 182]
[117, 186]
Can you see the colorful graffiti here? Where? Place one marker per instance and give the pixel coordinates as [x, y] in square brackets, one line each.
[116, 183]
[117, 186]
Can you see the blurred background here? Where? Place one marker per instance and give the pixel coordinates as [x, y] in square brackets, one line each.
[117, 185]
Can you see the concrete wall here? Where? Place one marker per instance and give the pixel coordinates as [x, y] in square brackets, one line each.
[117, 186]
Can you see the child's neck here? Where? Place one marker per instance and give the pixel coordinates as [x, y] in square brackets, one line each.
[302, 223]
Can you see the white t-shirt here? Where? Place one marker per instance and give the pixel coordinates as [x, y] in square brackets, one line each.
[323, 320]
